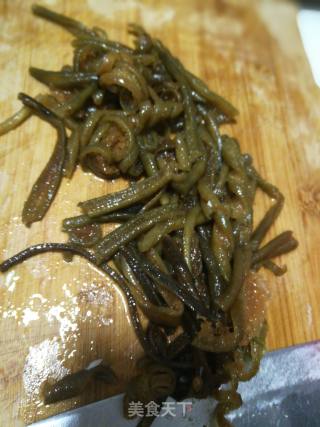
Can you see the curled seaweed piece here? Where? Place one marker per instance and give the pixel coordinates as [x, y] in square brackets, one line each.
[124, 234]
[70, 24]
[73, 384]
[165, 316]
[15, 120]
[47, 185]
[62, 79]
[135, 193]
[281, 244]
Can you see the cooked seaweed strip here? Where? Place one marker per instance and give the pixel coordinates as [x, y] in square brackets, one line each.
[47, 185]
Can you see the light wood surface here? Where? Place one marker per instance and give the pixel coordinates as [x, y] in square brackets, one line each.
[57, 317]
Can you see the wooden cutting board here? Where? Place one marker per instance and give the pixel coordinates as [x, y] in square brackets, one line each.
[57, 317]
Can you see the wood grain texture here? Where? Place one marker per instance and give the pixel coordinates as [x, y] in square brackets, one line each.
[57, 317]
